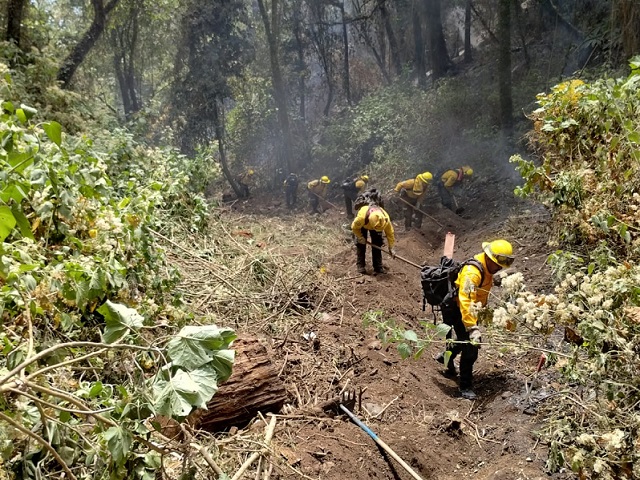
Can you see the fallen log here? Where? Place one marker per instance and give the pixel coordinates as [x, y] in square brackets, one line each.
[254, 386]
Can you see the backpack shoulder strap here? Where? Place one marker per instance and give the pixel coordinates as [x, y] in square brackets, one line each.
[478, 265]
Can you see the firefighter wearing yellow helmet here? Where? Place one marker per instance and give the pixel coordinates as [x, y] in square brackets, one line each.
[317, 192]
[447, 181]
[473, 285]
[352, 187]
[245, 181]
[372, 220]
[412, 191]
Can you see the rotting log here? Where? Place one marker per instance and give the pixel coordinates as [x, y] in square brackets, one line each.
[254, 386]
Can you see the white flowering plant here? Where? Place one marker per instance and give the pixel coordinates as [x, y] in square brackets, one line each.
[586, 136]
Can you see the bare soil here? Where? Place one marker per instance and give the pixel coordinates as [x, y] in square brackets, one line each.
[439, 434]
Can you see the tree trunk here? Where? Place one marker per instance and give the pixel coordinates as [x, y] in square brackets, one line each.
[301, 65]
[254, 386]
[86, 43]
[394, 51]
[504, 66]
[118, 60]
[418, 41]
[345, 41]
[440, 60]
[15, 12]
[272, 31]
[518, 11]
[467, 32]
[218, 121]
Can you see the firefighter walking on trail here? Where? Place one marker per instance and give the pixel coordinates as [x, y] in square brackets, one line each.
[374, 220]
[446, 183]
[245, 181]
[290, 186]
[460, 312]
[352, 188]
[412, 191]
[317, 191]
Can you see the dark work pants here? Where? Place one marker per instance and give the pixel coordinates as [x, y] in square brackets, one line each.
[291, 194]
[350, 196]
[445, 196]
[376, 255]
[314, 201]
[409, 213]
[452, 316]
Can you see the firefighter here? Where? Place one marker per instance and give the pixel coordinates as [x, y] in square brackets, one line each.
[447, 181]
[317, 191]
[460, 313]
[351, 189]
[290, 186]
[412, 191]
[375, 220]
[244, 181]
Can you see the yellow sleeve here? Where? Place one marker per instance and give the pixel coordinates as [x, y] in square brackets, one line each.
[358, 222]
[388, 231]
[311, 184]
[418, 187]
[468, 281]
[449, 178]
[399, 186]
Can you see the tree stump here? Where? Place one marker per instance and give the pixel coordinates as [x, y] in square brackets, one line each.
[254, 386]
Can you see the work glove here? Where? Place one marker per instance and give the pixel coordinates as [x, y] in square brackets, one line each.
[403, 192]
[392, 252]
[361, 240]
[475, 336]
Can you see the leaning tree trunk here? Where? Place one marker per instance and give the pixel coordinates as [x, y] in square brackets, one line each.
[391, 37]
[345, 41]
[15, 12]
[218, 121]
[86, 43]
[504, 67]
[254, 386]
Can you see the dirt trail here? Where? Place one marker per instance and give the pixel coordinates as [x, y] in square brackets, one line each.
[441, 435]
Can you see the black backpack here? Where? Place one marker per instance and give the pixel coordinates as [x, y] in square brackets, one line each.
[439, 282]
[370, 197]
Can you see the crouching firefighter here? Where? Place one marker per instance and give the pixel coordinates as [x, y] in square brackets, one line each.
[375, 220]
[473, 284]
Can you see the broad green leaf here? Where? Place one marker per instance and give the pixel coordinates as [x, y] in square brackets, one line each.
[53, 131]
[119, 443]
[118, 320]
[8, 106]
[447, 357]
[222, 362]
[7, 222]
[195, 346]
[404, 350]
[411, 336]
[185, 390]
[442, 330]
[20, 161]
[23, 223]
[21, 115]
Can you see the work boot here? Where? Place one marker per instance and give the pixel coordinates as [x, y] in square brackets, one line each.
[451, 368]
[380, 269]
[362, 270]
[468, 394]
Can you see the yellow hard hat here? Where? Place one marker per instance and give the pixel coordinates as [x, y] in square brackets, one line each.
[325, 179]
[251, 172]
[365, 178]
[468, 171]
[425, 177]
[500, 251]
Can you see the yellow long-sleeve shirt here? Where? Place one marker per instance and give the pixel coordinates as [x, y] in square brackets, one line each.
[451, 177]
[317, 187]
[378, 220]
[471, 291]
[415, 187]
